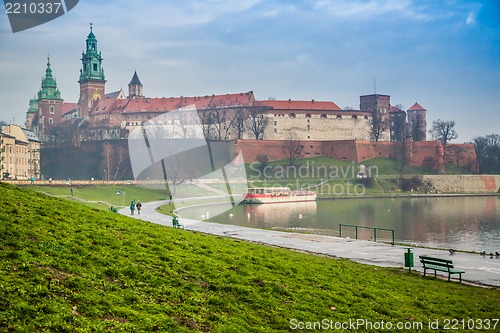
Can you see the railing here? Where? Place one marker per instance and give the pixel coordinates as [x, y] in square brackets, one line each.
[366, 227]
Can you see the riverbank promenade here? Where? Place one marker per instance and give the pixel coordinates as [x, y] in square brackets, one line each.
[481, 270]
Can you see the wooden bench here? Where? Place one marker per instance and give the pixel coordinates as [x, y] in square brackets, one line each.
[175, 223]
[438, 264]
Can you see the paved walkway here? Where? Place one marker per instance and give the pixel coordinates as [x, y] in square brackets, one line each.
[478, 269]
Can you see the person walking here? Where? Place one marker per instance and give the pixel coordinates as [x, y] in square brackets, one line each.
[138, 205]
[132, 207]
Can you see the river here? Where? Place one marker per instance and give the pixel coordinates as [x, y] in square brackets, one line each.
[469, 223]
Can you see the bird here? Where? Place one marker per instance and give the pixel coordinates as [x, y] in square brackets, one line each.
[497, 254]
[483, 253]
[451, 251]
[491, 255]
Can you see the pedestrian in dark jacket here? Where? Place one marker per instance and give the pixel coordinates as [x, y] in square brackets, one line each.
[138, 205]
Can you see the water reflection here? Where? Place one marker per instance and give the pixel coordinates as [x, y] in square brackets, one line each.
[466, 223]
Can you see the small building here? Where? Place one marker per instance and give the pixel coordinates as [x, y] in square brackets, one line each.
[19, 153]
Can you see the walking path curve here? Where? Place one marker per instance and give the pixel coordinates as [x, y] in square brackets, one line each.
[478, 269]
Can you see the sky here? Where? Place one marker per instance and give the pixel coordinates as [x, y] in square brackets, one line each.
[445, 55]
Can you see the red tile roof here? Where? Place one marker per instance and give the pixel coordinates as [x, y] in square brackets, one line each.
[67, 107]
[299, 105]
[162, 104]
[395, 109]
[416, 107]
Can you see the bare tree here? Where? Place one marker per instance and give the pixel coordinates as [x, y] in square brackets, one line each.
[377, 125]
[257, 121]
[455, 154]
[418, 127]
[488, 153]
[177, 170]
[121, 155]
[292, 148]
[430, 163]
[107, 159]
[240, 117]
[443, 130]
[397, 126]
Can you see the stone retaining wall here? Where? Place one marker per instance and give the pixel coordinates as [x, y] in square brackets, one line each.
[465, 183]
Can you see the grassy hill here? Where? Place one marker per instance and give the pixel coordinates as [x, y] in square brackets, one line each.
[65, 267]
[379, 166]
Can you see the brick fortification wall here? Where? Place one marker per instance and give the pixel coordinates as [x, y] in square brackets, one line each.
[414, 153]
[463, 155]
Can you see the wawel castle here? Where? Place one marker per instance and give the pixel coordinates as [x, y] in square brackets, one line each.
[101, 115]
[376, 129]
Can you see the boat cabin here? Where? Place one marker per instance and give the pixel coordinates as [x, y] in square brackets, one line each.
[274, 191]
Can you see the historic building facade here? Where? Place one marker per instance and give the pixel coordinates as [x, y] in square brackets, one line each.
[103, 116]
[98, 117]
[19, 153]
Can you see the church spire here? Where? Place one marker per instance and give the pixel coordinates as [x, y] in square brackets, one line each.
[49, 85]
[91, 60]
[135, 87]
[92, 80]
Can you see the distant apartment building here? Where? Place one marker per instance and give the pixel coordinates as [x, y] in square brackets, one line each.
[19, 153]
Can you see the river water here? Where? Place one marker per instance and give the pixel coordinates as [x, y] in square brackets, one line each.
[464, 223]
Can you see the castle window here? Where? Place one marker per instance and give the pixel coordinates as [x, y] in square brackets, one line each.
[95, 67]
[308, 128]
[51, 109]
[339, 116]
[51, 121]
[366, 117]
[275, 130]
[275, 123]
[93, 46]
[308, 115]
[323, 116]
[292, 115]
[354, 116]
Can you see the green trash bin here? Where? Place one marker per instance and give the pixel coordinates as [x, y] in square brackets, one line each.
[409, 259]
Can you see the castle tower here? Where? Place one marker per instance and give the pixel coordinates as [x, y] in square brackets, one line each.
[31, 113]
[417, 121]
[49, 104]
[92, 80]
[135, 87]
[379, 106]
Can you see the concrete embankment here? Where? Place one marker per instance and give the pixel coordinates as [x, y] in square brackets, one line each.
[465, 183]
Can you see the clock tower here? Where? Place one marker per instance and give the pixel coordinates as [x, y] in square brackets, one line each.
[92, 80]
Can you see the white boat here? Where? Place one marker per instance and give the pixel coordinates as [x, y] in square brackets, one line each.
[277, 194]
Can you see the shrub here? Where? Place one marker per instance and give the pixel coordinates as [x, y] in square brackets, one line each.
[416, 184]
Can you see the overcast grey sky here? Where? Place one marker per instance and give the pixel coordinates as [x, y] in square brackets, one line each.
[443, 54]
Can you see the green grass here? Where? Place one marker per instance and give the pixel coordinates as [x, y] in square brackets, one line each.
[65, 267]
[107, 193]
[379, 166]
[167, 209]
